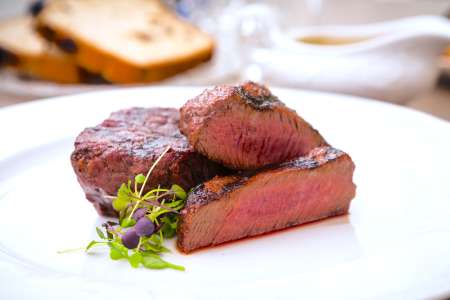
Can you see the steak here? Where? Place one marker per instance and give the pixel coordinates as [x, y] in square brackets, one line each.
[128, 143]
[246, 127]
[302, 190]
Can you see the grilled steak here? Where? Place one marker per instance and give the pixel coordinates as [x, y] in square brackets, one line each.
[246, 127]
[128, 143]
[302, 190]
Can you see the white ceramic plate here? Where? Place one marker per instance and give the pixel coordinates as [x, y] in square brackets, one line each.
[395, 243]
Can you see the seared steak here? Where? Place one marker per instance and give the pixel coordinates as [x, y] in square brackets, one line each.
[302, 190]
[128, 143]
[246, 127]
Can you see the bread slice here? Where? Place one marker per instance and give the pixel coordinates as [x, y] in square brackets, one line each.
[22, 48]
[124, 41]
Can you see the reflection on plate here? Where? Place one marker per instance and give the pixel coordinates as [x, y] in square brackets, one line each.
[394, 243]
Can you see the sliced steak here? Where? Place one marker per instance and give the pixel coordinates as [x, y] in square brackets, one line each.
[246, 127]
[128, 143]
[303, 190]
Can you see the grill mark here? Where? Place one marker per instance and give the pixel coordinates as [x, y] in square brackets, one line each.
[258, 98]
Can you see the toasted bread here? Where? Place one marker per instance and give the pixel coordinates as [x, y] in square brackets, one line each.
[22, 48]
[124, 41]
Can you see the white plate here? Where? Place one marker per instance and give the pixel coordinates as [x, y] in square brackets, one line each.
[395, 243]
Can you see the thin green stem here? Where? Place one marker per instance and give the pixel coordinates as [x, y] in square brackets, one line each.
[159, 205]
[134, 209]
[151, 170]
[156, 197]
[157, 191]
[139, 197]
[76, 249]
[139, 244]
[70, 250]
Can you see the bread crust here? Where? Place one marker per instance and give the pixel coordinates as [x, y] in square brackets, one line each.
[116, 65]
[33, 55]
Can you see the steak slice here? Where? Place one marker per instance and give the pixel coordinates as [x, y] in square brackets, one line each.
[302, 190]
[246, 127]
[128, 143]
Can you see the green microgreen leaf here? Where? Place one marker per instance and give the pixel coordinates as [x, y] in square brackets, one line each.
[153, 261]
[92, 244]
[155, 239]
[120, 204]
[169, 228]
[179, 191]
[156, 248]
[174, 204]
[115, 254]
[123, 199]
[153, 244]
[119, 247]
[135, 259]
[127, 222]
[155, 214]
[100, 233]
[140, 178]
[161, 206]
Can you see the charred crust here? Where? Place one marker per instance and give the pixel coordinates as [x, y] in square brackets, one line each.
[202, 195]
[234, 185]
[257, 96]
[315, 159]
[199, 196]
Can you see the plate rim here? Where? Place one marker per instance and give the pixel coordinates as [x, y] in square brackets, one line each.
[275, 88]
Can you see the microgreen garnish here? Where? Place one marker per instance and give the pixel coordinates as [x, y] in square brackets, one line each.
[145, 220]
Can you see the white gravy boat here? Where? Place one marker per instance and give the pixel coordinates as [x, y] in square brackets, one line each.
[393, 61]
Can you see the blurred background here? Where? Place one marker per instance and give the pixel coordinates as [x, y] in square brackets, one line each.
[396, 51]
